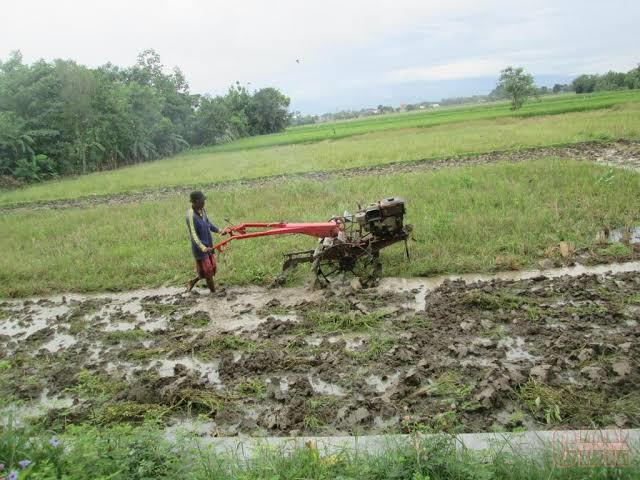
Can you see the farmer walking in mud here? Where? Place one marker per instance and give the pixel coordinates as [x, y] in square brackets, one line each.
[200, 229]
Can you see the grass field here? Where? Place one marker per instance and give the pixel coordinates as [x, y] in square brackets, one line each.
[547, 105]
[468, 219]
[398, 138]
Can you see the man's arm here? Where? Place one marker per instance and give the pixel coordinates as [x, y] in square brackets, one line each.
[212, 227]
[193, 233]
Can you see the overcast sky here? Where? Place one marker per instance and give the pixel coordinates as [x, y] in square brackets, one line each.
[335, 54]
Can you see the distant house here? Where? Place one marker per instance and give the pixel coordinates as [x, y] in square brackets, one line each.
[435, 105]
[369, 111]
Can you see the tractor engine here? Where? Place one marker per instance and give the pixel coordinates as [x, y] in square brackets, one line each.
[382, 219]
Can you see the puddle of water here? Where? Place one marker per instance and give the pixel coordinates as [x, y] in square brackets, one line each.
[313, 342]
[120, 366]
[208, 369]
[53, 402]
[352, 343]
[515, 351]
[417, 286]
[188, 426]
[246, 301]
[239, 307]
[155, 325]
[286, 318]
[118, 308]
[283, 384]
[26, 322]
[119, 327]
[622, 235]
[19, 413]
[424, 285]
[59, 341]
[381, 385]
[324, 388]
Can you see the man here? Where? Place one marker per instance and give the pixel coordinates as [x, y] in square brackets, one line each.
[200, 229]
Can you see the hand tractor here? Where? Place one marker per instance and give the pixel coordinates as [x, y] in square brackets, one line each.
[348, 245]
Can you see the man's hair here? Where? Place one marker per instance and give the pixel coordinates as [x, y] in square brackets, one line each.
[197, 195]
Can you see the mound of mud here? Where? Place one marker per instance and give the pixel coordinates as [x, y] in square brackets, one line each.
[498, 354]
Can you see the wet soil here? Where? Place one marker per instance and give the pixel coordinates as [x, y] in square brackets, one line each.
[468, 354]
[621, 153]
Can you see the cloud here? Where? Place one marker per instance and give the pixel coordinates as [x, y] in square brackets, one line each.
[350, 51]
[467, 68]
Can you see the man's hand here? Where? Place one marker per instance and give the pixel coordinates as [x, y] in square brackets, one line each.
[209, 249]
[225, 231]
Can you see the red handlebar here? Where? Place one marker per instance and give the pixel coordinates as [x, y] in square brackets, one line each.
[320, 230]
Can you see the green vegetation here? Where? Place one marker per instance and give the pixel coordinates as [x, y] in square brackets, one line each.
[607, 81]
[549, 105]
[212, 347]
[516, 85]
[464, 219]
[252, 387]
[453, 131]
[338, 316]
[136, 453]
[59, 118]
[557, 405]
[376, 346]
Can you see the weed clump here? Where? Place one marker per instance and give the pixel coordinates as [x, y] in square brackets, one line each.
[567, 404]
[212, 347]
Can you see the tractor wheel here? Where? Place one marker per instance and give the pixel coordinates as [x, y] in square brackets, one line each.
[368, 269]
[325, 272]
[335, 263]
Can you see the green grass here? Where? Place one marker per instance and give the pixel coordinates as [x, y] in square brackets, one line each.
[465, 220]
[452, 132]
[557, 405]
[137, 453]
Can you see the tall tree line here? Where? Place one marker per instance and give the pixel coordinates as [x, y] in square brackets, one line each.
[59, 117]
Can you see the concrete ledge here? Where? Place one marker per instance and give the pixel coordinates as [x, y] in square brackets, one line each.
[627, 440]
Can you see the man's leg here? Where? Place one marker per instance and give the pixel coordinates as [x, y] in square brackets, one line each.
[211, 284]
[199, 275]
[192, 283]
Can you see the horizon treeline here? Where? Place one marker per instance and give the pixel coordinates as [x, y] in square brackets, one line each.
[582, 84]
[59, 118]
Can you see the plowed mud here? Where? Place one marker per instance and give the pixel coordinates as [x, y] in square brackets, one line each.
[452, 355]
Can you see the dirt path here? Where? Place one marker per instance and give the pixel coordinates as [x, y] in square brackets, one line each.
[465, 353]
[624, 154]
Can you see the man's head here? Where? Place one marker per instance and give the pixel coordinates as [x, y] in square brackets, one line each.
[197, 199]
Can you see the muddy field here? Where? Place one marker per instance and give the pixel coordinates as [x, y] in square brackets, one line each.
[519, 350]
[621, 153]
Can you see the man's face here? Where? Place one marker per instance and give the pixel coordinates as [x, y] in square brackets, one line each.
[198, 204]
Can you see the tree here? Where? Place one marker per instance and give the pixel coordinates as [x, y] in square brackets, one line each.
[268, 111]
[610, 81]
[560, 87]
[517, 85]
[632, 79]
[584, 84]
[61, 117]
